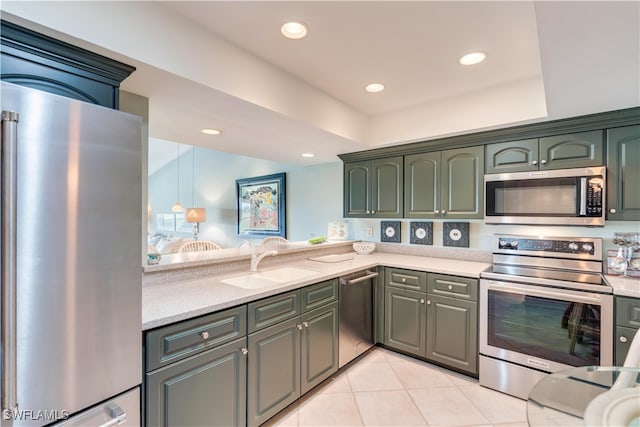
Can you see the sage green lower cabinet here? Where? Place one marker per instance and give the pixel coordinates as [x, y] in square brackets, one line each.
[291, 357]
[208, 389]
[405, 319]
[452, 332]
[319, 345]
[627, 323]
[452, 321]
[274, 370]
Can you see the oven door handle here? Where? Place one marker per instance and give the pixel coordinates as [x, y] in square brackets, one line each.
[537, 292]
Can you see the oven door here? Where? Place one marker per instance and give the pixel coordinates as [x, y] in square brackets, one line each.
[545, 328]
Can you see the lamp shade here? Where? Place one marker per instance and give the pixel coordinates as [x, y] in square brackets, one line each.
[196, 215]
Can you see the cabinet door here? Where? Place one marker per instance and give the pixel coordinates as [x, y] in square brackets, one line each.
[572, 151]
[512, 156]
[319, 351]
[623, 173]
[387, 187]
[208, 389]
[452, 332]
[422, 185]
[357, 190]
[462, 183]
[622, 343]
[405, 317]
[274, 370]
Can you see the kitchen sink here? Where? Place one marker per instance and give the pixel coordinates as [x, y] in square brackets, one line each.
[262, 279]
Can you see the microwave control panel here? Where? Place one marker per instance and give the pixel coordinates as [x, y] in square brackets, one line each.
[593, 197]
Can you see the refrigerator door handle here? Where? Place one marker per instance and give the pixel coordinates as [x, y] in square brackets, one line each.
[8, 267]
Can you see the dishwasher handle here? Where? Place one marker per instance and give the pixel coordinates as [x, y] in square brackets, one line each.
[348, 281]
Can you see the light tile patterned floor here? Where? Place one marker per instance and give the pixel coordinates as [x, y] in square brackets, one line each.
[388, 389]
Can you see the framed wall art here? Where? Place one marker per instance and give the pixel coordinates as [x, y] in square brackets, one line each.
[261, 205]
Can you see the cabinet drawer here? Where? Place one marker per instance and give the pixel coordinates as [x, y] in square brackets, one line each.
[319, 294]
[406, 279]
[453, 286]
[175, 342]
[628, 312]
[270, 311]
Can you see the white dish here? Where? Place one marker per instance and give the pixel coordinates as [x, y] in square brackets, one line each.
[614, 408]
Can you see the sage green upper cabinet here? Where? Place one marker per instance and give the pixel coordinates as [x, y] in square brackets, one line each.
[373, 188]
[422, 185]
[445, 184]
[623, 173]
[514, 156]
[574, 150]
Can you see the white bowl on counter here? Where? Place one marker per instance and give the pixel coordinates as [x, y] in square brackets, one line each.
[364, 248]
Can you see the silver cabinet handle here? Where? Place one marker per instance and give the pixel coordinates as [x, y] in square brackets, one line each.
[204, 335]
[437, 211]
[244, 351]
[347, 281]
[404, 279]
[9, 261]
[612, 210]
[543, 162]
[117, 414]
[535, 162]
[299, 327]
[421, 300]
[622, 338]
[373, 212]
[368, 211]
[444, 212]
[428, 302]
[450, 287]
[305, 324]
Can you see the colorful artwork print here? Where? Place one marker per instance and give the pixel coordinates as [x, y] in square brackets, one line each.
[261, 205]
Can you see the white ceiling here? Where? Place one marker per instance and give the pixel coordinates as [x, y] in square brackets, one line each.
[224, 64]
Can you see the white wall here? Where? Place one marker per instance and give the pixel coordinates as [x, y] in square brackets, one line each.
[313, 193]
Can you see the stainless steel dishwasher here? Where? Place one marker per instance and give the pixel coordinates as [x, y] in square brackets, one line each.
[356, 315]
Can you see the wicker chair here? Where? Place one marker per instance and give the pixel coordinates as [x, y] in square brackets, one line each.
[274, 242]
[198, 245]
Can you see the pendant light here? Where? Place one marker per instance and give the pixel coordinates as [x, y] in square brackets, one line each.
[195, 215]
[177, 206]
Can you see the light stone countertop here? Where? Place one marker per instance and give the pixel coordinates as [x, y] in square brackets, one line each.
[179, 300]
[624, 286]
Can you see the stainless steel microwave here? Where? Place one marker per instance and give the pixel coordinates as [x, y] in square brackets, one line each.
[555, 197]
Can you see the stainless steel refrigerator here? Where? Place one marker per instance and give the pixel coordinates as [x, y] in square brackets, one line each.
[71, 261]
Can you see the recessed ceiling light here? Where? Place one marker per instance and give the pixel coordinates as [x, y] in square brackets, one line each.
[308, 155]
[211, 131]
[374, 87]
[472, 58]
[293, 30]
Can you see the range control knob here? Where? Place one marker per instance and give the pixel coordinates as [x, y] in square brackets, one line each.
[514, 244]
[573, 246]
[502, 243]
[587, 247]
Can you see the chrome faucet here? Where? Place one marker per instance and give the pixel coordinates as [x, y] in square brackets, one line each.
[256, 257]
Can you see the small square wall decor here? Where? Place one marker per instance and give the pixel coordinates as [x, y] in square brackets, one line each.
[455, 234]
[390, 231]
[421, 233]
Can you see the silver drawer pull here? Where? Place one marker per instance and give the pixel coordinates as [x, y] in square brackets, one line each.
[204, 335]
[450, 287]
[623, 338]
[421, 300]
[245, 351]
[299, 327]
[404, 280]
[117, 414]
[305, 324]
